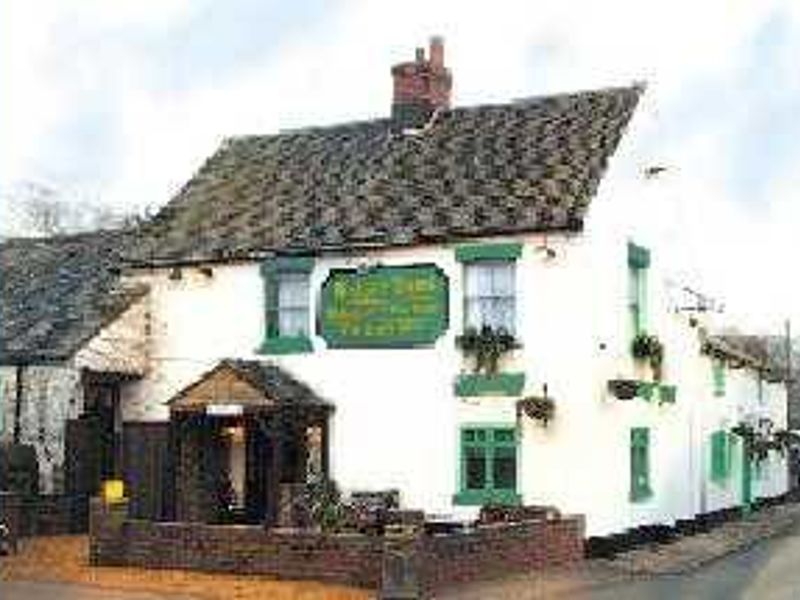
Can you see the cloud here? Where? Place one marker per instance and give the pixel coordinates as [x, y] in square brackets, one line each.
[126, 99]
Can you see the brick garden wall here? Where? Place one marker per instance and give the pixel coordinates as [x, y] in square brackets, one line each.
[39, 515]
[501, 549]
[351, 559]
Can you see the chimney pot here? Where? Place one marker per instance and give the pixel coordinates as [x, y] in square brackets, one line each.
[421, 87]
[436, 53]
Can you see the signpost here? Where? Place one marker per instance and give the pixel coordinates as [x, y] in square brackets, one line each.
[384, 307]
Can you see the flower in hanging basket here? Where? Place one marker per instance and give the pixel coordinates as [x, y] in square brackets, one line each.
[648, 347]
[623, 389]
[487, 346]
[540, 408]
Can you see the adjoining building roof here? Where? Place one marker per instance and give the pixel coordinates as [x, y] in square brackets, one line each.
[531, 165]
[56, 293]
[753, 351]
[266, 386]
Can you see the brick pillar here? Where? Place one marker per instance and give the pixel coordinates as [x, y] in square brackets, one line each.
[107, 532]
[402, 570]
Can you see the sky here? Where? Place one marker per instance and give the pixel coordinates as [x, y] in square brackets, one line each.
[119, 102]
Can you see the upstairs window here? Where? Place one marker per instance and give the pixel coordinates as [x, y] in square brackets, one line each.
[638, 264]
[490, 298]
[287, 305]
[292, 311]
[490, 287]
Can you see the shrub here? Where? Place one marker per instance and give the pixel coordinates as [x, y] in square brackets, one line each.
[19, 469]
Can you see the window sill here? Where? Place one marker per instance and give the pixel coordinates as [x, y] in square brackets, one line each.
[286, 345]
[484, 497]
[641, 496]
[500, 384]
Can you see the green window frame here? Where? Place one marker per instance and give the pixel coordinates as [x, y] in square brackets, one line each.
[638, 264]
[718, 376]
[640, 464]
[488, 465]
[277, 272]
[721, 456]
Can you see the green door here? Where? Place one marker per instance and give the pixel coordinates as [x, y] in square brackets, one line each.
[747, 478]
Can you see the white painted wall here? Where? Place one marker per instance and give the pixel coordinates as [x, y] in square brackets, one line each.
[52, 394]
[397, 418]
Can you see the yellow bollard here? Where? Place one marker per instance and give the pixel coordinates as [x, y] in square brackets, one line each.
[113, 491]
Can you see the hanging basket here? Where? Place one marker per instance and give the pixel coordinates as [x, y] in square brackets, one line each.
[539, 408]
[623, 389]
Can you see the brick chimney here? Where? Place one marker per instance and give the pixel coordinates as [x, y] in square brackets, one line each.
[420, 87]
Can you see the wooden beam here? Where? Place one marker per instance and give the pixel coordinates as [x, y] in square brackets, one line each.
[325, 451]
[275, 470]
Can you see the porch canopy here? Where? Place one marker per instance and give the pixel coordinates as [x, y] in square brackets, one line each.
[278, 414]
[250, 385]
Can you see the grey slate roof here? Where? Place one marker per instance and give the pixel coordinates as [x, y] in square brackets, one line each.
[56, 293]
[758, 352]
[530, 165]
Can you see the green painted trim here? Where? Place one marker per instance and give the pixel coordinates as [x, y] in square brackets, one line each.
[302, 264]
[638, 256]
[479, 384]
[637, 299]
[640, 489]
[473, 252]
[667, 394]
[718, 376]
[645, 390]
[286, 345]
[484, 497]
[391, 306]
[488, 495]
[721, 457]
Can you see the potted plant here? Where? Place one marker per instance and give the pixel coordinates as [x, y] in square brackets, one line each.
[487, 345]
[540, 408]
[648, 347]
[623, 389]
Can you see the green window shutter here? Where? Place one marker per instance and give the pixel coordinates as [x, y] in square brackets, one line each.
[640, 464]
[638, 262]
[721, 451]
[718, 374]
[638, 256]
[488, 466]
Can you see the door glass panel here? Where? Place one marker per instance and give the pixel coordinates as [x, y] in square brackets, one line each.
[475, 468]
[504, 468]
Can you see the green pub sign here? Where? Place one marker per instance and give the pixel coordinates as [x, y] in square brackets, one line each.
[384, 307]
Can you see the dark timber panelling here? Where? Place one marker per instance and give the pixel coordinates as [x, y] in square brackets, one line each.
[145, 448]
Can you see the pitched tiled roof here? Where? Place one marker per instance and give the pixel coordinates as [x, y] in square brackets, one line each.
[274, 382]
[758, 352]
[56, 293]
[531, 165]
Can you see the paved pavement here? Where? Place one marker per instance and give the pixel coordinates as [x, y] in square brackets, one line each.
[768, 571]
[28, 590]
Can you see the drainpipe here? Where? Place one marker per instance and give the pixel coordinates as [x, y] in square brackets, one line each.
[18, 404]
